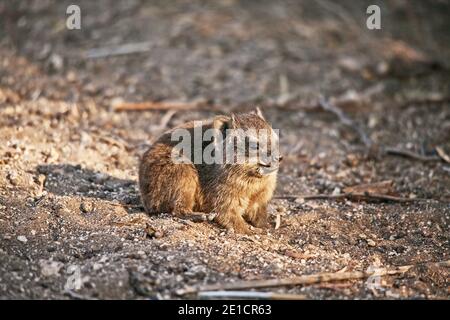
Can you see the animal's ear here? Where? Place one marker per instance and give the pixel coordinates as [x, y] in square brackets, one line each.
[222, 123]
[233, 121]
[259, 113]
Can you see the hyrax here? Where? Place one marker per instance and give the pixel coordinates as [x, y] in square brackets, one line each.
[236, 191]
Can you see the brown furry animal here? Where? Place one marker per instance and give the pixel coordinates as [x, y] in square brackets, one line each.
[237, 193]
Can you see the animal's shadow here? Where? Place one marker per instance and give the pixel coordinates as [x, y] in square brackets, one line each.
[73, 180]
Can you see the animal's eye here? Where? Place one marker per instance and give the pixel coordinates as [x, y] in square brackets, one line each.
[252, 144]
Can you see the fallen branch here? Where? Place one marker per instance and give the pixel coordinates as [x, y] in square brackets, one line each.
[118, 50]
[352, 196]
[162, 105]
[248, 295]
[311, 279]
[77, 296]
[426, 101]
[410, 154]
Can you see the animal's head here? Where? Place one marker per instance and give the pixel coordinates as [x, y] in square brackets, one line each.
[251, 142]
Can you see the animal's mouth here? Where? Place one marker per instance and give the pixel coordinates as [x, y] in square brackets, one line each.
[270, 164]
[264, 171]
[268, 168]
[264, 164]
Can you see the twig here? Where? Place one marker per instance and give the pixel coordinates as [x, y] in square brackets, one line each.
[112, 141]
[352, 196]
[123, 49]
[326, 105]
[426, 101]
[248, 295]
[161, 105]
[164, 120]
[410, 154]
[312, 278]
[278, 221]
[77, 296]
[440, 151]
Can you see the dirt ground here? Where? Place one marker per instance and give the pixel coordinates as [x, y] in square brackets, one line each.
[71, 224]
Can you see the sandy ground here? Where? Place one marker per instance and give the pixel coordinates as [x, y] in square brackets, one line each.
[71, 224]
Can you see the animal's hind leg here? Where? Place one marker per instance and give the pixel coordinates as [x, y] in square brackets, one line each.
[184, 201]
[185, 189]
[167, 187]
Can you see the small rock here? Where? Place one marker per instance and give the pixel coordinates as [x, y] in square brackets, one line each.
[56, 62]
[336, 191]
[71, 76]
[22, 239]
[50, 268]
[281, 209]
[13, 178]
[152, 232]
[100, 178]
[86, 207]
[51, 155]
[97, 266]
[371, 243]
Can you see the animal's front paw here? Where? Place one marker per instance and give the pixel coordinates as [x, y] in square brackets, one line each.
[260, 221]
[241, 228]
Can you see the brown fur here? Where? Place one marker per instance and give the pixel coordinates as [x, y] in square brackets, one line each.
[236, 192]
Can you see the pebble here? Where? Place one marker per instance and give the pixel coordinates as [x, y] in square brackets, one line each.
[56, 61]
[86, 207]
[97, 266]
[22, 239]
[13, 178]
[50, 268]
[336, 191]
[152, 232]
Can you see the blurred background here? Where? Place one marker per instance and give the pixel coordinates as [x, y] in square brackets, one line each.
[70, 143]
[230, 52]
